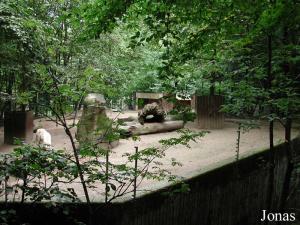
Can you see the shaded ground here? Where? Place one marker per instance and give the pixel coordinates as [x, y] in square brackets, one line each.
[215, 149]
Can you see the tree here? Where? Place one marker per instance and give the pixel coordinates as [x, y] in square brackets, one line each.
[22, 37]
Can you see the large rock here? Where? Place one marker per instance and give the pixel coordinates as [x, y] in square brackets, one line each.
[94, 125]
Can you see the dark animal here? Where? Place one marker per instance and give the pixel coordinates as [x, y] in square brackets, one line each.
[151, 113]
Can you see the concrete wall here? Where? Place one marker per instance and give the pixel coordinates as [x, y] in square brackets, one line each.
[232, 195]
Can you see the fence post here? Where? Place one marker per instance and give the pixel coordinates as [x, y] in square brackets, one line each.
[106, 174]
[5, 182]
[135, 171]
[238, 142]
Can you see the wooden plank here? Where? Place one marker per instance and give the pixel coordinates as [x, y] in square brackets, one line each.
[208, 112]
[149, 95]
[18, 125]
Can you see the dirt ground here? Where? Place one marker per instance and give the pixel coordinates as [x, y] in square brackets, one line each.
[215, 149]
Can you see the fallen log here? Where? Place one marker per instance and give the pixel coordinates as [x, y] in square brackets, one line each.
[150, 128]
[127, 119]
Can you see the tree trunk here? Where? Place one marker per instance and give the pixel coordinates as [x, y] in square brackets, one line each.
[212, 90]
[271, 130]
[80, 172]
[9, 90]
[150, 128]
[81, 176]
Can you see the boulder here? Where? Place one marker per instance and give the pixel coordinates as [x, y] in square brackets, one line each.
[94, 124]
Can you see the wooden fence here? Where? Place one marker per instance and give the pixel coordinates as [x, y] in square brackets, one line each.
[18, 125]
[234, 194]
[208, 112]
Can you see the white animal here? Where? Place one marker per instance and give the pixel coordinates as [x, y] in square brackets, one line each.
[43, 138]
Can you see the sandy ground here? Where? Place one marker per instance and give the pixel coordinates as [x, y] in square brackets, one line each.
[215, 149]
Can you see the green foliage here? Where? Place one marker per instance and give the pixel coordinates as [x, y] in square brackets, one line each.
[174, 47]
[32, 174]
[52, 53]
[247, 125]
[184, 113]
[185, 137]
[120, 176]
[21, 46]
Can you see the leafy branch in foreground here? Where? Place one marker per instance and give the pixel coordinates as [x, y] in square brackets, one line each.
[125, 178]
[32, 174]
